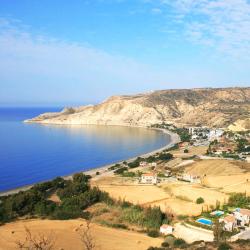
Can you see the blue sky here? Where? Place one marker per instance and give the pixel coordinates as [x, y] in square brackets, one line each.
[77, 52]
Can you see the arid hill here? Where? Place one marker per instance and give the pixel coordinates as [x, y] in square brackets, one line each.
[208, 106]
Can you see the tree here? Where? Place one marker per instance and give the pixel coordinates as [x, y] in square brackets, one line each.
[40, 242]
[199, 200]
[218, 231]
[86, 237]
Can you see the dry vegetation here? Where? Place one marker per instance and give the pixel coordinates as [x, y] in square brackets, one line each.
[180, 198]
[199, 150]
[67, 235]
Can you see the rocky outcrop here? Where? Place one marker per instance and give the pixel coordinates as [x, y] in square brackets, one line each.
[212, 107]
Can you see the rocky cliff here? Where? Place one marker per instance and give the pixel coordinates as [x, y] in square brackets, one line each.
[208, 106]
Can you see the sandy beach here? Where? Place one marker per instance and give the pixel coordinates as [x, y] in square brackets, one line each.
[103, 170]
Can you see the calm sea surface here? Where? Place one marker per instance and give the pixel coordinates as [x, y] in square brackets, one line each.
[30, 153]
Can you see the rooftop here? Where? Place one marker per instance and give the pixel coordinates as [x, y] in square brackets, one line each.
[229, 218]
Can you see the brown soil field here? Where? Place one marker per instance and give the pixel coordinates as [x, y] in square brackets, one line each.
[66, 235]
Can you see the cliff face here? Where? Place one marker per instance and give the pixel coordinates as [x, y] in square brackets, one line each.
[212, 107]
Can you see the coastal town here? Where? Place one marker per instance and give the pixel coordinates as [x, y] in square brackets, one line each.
[199, 181]
[185, 172]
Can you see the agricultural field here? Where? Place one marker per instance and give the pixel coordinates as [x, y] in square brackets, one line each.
[192, 150]
[217, 167]
[119, 188]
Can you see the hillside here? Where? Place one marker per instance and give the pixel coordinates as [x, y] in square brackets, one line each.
[212, 107]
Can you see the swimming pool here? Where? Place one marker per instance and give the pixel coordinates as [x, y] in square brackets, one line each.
[217, 213]
[205, 221]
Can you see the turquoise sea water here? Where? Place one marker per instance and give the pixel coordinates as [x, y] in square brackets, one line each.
[31, 153]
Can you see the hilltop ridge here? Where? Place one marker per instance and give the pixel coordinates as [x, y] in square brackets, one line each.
[218, 107]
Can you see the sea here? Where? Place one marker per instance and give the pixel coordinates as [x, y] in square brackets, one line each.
[31, 153]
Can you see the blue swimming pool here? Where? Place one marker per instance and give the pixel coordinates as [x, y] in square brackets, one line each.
[205, 221]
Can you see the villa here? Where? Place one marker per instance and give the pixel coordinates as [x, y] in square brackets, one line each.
[239, 218]
[242, 216]
[229, 223]
[166, 229]
[148, 178]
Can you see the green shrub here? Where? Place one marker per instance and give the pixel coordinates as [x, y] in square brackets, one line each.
[165, 156]
[134, 164]
[120, 170]
[186, 151]
[179, 242]
[239, 200]
[199, 200]
[224, 246]
[128, 174]
[164, 244]
[153, 233]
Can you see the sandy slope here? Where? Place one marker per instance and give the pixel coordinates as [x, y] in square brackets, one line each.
[67, 236]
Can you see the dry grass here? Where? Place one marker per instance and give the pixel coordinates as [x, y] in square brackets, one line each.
[201, 150]
[136, 194]
[178, 207]
[67, 236]
[217, 167]
[230, 183]
[54, 197]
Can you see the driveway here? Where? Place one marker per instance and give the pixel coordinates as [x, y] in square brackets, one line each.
[191, 233]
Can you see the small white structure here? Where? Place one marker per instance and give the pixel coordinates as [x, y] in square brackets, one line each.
[242, 216]
[143, 163]
[148, 178]
[189, 178]
[166, 229]
[229, 223]
[215, 134]
[248, 159]
[154, 164]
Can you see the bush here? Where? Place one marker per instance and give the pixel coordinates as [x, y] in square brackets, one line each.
[97, 173]
[128, 174]
[224, 246]
[165, 156]
[134, 164]
[153, 233]
[179, 242]
[239, 200]
[120, 170]
[199, 200]
[164, 244]
[185, 150]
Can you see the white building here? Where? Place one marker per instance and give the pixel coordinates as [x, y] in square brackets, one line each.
[148, 178]
[242, 216]
[143, 163]
[154, 164]
[215, 134]
[229, 223]
[189, 178]
[166, 229]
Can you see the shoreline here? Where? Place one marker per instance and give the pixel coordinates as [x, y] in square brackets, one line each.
[174, 139]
